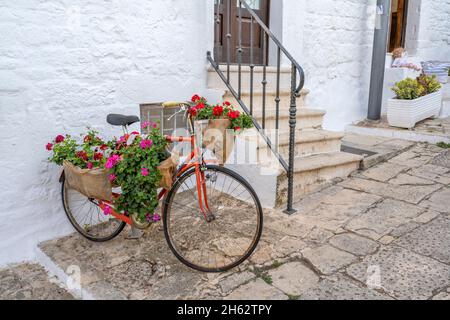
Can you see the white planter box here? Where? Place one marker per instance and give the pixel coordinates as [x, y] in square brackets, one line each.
[406, 113]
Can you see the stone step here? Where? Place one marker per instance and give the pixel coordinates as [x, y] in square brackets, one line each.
[284, 105]
[306, 119]
[313, 172]
[308, 142]
[215, 82]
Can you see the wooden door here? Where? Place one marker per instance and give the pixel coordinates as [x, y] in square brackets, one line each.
[230, 17]
[398, 24]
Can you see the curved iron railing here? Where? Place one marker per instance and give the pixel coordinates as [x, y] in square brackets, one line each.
[295, 90]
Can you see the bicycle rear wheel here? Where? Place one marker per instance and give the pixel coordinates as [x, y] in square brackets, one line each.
[236, 220]
[87, 217]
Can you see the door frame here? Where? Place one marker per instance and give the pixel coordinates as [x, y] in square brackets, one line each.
[220, 51]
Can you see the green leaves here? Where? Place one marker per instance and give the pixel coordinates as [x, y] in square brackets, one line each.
[410, 89]
[139, 193]
[204, 111]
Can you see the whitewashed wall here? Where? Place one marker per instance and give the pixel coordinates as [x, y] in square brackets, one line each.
[333, 40]
[65, 64]
[434, 30]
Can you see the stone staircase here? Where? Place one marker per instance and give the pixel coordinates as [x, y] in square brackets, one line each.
[318, 156]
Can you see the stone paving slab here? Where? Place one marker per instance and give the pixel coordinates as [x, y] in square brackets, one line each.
[439, 201]
[431, 239]
[257, 290]
[378, 235]
[30, 282]
[409, 193]
[293, 278]
[334, 211]
[432, 172]
[340, 287]
[384, 172]
[354, 244]
[442, 160]
[384, 218]
[327, 259]
[401, 273]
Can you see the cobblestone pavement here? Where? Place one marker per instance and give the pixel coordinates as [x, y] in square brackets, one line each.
[384, 233]
[29, 282]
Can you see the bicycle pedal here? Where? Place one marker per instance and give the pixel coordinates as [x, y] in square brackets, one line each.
[210, 217]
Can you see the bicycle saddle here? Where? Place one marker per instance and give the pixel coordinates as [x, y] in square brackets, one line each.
[121, 120]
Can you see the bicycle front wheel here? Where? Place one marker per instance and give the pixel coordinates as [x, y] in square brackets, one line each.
[86, 216]
[228, 234]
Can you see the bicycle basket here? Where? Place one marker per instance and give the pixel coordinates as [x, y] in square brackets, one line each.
[93, 183]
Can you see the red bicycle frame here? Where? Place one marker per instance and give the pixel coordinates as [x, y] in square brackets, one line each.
[193, 160]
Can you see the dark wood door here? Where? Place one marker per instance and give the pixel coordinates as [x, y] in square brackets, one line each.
[228, 19]
[399, 11]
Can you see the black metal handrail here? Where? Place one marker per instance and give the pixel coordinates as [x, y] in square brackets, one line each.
[295, 90]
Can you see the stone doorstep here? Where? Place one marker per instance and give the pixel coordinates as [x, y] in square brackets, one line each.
[430, 137]
[62, 277]
[313, 173]
[383, 152]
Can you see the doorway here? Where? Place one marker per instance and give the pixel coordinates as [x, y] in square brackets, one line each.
[228, 15]
[397, 33]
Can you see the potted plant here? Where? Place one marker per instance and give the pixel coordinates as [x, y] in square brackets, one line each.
[217, 126]
[137, 163]
[416, 100]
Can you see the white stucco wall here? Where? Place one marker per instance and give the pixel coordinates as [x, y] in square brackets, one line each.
[332, 40]
[65, 65]
[434, 30]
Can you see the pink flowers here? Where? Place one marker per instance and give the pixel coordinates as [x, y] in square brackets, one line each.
[90, 165]
[112, 161]
[144, 172]
[112, 178]
[146, 144]
[107, 210]
[49, 147]
[59, 139]
[153, 218]
[148, 124]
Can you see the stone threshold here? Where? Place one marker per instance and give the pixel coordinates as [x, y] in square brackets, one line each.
[399, 134]
[63, 278]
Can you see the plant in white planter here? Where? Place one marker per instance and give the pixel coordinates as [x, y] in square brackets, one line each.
[416, 100]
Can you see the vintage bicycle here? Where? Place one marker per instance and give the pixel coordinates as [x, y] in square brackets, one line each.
[212, 217]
